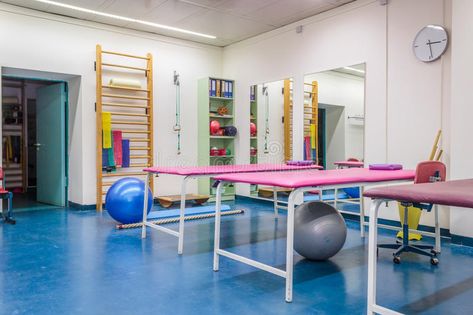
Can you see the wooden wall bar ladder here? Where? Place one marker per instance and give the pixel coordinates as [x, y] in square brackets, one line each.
[131, 110]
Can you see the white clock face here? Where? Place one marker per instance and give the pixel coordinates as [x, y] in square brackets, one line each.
[430, 43]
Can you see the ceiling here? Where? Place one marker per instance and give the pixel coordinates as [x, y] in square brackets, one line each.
[229, 20]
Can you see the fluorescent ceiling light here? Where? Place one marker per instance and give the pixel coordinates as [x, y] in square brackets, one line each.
[124, 18]
[354, 69]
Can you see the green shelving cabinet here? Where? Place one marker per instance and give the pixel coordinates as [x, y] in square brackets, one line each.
[207, 111]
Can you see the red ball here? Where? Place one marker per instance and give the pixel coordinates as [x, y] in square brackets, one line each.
[214, 127]
[252, 129]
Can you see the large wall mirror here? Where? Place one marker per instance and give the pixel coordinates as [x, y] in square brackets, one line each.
[334, 107]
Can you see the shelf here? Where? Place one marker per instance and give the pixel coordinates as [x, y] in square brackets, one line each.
[221, 116]
[253, 138]
[221, 98]
[222, 137]
[222, 156]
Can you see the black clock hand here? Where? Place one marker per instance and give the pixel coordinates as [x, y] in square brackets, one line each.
[430, 47]
[437, 42]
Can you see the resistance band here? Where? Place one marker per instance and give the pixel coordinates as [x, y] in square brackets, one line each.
[266, 113]
[117, 147]
[177, 126]
[125, 153]
[107, 130]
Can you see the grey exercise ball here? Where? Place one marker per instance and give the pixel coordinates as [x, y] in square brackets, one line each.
[319, 230]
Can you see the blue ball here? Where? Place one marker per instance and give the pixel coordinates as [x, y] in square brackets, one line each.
[124, 200]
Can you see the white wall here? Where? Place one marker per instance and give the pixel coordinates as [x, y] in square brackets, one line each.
[404, 102]
[461, 151]
[37, 41]
[276, 127]
[348, 91]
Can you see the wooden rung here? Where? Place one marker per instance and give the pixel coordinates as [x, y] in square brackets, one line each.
[123, 55]
[123, 105]
[140, 165]
[130, 97]
[135, 131]
[139, 156]
[124, 122]
[129, 114]
[140, 148]
[122, 174]
[123, 88]
[122, 66]
[138, 140]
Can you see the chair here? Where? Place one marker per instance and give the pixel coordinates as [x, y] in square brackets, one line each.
[5, 194]
[428, 171]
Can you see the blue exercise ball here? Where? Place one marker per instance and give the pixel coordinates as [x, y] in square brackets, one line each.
[319, 230]
[124, 200]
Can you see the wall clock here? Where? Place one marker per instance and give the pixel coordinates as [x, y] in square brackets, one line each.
[430, 43]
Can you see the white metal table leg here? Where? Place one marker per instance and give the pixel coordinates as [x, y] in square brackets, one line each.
[290, 245]
[437, 230]
[362, 213]
[218, 204]
[149, 177]
[275, 201]
[182, 211]
[335, 198]
[372, 248]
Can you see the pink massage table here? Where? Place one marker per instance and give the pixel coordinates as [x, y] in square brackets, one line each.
[457, 193]
[192, 172]
[300, 182]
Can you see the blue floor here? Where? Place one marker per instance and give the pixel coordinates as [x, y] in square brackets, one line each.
[71, 262]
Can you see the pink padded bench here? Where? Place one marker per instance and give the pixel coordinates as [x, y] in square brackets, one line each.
[458, 193]
[190, 172]
[301, 182]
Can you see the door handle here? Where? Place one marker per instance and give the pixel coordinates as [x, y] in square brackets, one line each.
[37, 145]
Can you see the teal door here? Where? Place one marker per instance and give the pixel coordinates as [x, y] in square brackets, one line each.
[51, 144]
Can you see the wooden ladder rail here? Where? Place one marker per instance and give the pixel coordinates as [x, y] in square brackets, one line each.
[148, 115]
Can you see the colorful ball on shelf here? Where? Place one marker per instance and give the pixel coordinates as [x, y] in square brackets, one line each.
[219, 132]
[230, 131]
[252, 129]
[213, 151]
[222, 152]
[229, 152]
[253, 151]
[214, 127]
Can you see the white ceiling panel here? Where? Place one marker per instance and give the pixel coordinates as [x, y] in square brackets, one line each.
[133, 9]
[205, 3]
[224, 26]
[28, 4]
[172, 11]
[229, 20]
[243, 7]
[284, 12]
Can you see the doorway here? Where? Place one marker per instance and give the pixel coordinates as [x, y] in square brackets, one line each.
[34, 142]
